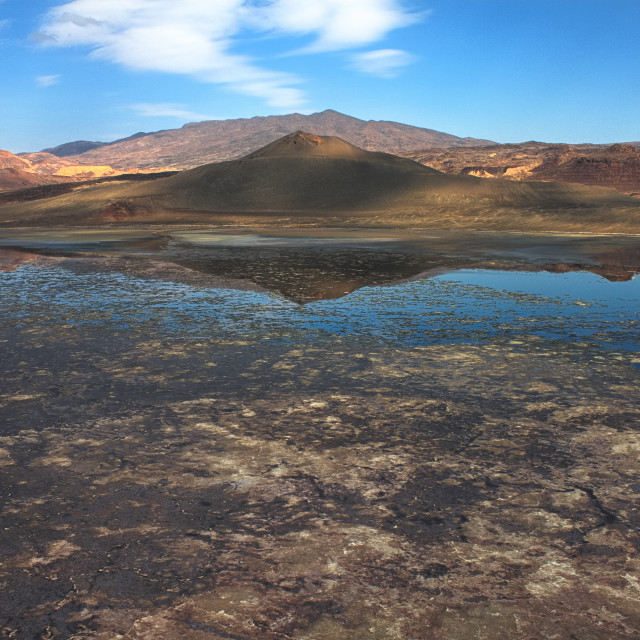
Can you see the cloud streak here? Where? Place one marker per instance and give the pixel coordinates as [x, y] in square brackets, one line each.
[166, 110]
[200, 38]
[384, 63]
[47, 81]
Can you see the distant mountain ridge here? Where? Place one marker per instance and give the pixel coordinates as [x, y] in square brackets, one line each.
[73, 148]
[81, 146]
[201, 143]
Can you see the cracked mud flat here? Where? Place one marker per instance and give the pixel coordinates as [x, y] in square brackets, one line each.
[436, 459]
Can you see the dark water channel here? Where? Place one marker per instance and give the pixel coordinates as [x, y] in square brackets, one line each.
[313, 434]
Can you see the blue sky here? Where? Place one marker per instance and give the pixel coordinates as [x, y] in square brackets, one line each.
[505, 70]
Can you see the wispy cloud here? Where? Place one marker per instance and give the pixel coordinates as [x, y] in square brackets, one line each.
[336, 25]
[385, 63]
[166, 110]
[201, 38]
[47, 81]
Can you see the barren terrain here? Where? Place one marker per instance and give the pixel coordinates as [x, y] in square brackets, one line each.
[201, 143]
[616, 166]
[325, 181]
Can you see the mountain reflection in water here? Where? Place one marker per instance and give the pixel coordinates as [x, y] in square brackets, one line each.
[306, 266]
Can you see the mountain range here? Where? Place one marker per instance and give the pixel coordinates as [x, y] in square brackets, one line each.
[30, 176]
[201, 143]
[303, 178]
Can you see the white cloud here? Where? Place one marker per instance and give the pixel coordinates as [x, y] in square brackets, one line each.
[167, 110]
[385, 63]
[47, 81]
[198, 37]
[338, 24]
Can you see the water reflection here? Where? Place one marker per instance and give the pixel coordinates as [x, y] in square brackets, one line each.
[470, 305]
[304, 266]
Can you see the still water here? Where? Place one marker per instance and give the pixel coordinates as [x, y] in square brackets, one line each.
[466, 305]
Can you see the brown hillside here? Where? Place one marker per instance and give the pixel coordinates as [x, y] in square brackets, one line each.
[42, 169]
[200, 143]
[10, 161]
[13, 179]
[20, 173]
[308, 179]
[45, 163]
[300, 144]
[616, 166]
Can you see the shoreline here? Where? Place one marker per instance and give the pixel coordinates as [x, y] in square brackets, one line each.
[299, 227]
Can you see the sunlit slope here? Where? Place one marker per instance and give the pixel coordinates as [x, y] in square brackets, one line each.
[303, 178]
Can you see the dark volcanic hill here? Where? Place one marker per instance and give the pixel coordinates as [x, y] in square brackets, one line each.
[616, 166]
[307, 179]
[200, 143]
[73, 148]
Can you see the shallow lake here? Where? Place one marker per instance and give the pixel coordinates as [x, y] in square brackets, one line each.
[467, 305]
[310, 434]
